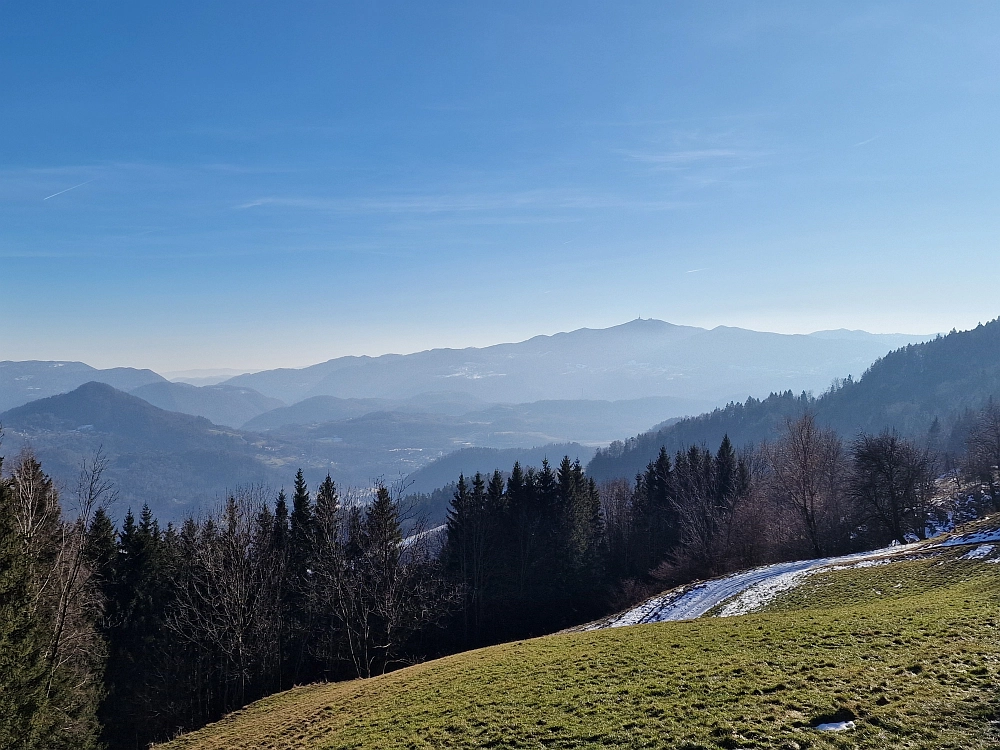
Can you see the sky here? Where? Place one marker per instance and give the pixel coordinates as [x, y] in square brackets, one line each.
[249, 185]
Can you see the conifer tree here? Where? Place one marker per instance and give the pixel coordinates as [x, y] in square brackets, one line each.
[302, 527]
[27, 717]
[654, 514]
[102, 544]
[302, 530]
[45, 579]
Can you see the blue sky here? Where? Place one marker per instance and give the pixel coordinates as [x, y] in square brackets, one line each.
[223, 184]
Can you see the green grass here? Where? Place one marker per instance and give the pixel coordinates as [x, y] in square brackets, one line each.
[911, 649]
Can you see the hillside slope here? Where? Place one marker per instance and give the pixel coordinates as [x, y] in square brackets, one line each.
[906, 389]
[21, 382]
[174, 462]
[896, 655]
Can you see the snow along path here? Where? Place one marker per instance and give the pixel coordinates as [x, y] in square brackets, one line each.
[754, 588]
[750, 590]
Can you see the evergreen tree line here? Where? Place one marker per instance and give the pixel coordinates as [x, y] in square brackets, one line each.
[51, 650]
[525, 552]
[807, 494]
[129, 635]
[549, 549]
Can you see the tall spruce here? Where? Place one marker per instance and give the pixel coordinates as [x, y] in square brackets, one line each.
[28, 720]
[302, 530]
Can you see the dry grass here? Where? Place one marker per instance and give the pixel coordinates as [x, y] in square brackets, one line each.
[910, 649]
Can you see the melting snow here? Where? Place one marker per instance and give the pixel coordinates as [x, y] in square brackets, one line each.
[751, 590]
[761, 593]
[979, 537]
[836, 726]
[983, 550]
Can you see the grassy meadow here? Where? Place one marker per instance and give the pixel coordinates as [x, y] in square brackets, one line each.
[910, 651]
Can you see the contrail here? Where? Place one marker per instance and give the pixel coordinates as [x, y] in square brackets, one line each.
[68, 189]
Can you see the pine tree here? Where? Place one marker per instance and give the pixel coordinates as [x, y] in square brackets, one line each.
[281, 533]
[302, 535]
[654, 514]
[382, 531]
[138, 596]
[27, 716]
[102, 544]
[523, 529]
[280, 539]
[327, 513]
[303, 521]
[51, 654]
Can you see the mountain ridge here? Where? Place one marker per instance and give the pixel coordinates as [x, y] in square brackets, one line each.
[907, 389]
[635, 359]
[30, 380]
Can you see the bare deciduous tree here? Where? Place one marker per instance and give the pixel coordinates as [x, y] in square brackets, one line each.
[894, 481]
[808, 471]
[64, 595]
[983, 450]
[228, 602]
[381, 588]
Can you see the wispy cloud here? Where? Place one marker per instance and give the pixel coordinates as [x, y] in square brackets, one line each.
[866, 142]
[456, 203]
[685, 157]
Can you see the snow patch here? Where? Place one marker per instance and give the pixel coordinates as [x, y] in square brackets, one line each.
[755, 588]
[755, 597]
[979, 537]
[983, 550]
[751, 590]
[862, 564]
[836, 726]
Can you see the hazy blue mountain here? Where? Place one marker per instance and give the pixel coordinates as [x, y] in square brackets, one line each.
[21, 382]
[392, 444]
[638, 359]
[584, 421]
[212, 376]
[174, 462]
[178, 462]
[524, 424]
[907, 389]
[223, 404]
[468, 461]
[319, 409]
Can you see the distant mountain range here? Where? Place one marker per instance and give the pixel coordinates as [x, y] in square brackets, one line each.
[177, 446]
[698, 368]
[227, 405]
[178, 463]
[21, 382]
[635, 360]
[908, 389]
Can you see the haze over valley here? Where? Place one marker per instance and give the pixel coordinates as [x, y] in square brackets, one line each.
[364, 418]
[499, 375]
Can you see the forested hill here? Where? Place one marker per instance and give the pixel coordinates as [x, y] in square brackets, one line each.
[174, 462]
[907, 389]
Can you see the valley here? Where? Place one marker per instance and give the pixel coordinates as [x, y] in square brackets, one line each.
[361, 419]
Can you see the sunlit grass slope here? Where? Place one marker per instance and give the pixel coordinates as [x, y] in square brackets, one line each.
[911, 650]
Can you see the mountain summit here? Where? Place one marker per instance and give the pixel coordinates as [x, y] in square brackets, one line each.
[633, 360]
